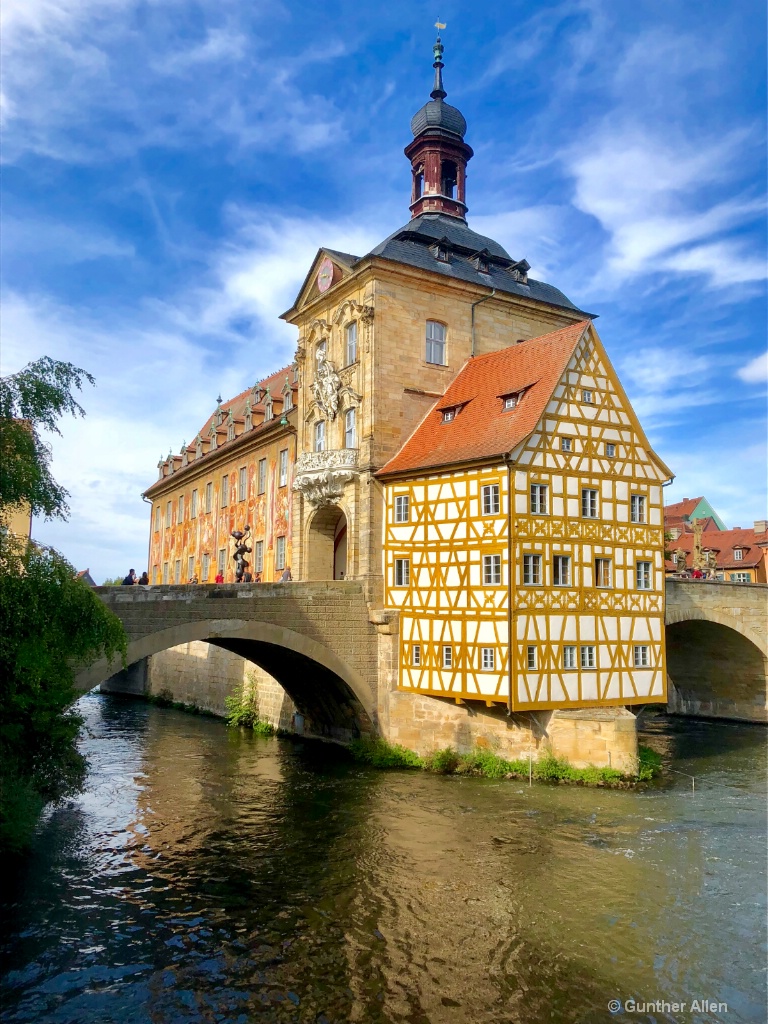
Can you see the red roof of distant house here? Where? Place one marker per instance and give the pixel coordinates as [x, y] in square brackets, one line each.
[685, 525]
[724, 542]
[480, 429]
[681, 509]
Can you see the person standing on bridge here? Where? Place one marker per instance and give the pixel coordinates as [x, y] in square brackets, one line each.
[144, 581]
[130, 579]
[286, 577]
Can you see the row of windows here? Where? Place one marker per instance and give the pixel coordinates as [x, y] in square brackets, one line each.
[239, 493]
[566, 445]
[573, 656]
[221, 563]
[562, 575]
[350, 432]
[490, 500]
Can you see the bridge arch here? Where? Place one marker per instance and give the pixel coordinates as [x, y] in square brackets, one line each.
[335, 698]
[717, 667]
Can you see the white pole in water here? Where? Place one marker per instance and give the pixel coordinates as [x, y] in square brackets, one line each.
[691, 777]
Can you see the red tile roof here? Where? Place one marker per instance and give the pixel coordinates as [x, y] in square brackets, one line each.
[480, 429]
[681, 509]
[723, 543]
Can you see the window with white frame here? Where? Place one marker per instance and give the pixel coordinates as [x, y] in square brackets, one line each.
[351, 342]
[642, 656]
[637, 508]
[588, 659]
[532, 570]
[350, 438]
[168, 515]
[206, 568]
[222, 561]
[225, 491]
[402, 572]
[269, 409]
[258, 556]
[539, 499]
[602, 572]
[262, 475]
[569, 656]
[190, 567]
[157, 518]
[180, 509]
[209, 497]
[588, 503]
[165, 572]
[510, 402]
[610, 450]
[449, 415]
[488, 658]
[491, 500]
[242, 484]
[491, 570]
[587, 395]
[177, 571]
[287, 400]
[566, 444]
[280, 553]
[283, 470]
[561, 570]
[416, 654]
[738, 554]
[643, 577]
[530, 657]
[193, 506]
[402, 508]
[320, 436]
[435, 352]
[447, 657]
[740, 577]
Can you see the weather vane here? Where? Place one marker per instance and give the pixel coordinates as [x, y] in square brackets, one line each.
[439, 25]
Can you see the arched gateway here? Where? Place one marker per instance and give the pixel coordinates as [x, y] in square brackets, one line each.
[315, 639]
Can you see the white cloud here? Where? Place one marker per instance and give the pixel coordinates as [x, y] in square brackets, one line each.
[755, 371]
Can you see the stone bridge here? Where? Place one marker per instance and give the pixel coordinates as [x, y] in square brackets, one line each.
[717, 649]
[316, 639]
[336, 658]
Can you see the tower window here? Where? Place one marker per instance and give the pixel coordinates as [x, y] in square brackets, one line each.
[418, 183]
[435, 343]
[448, 176]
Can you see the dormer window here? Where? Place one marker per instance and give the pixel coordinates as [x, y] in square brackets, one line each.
[219, 412]
[248, 416]
[257, 394]
[288, 400]
[481, 262]
[230, 426]
[268, 411]
[440, 252]
[519, 271]
[198, 447]
[509, 402]
[738, 554]
[184, 454]
[449, 415]
[212, 435]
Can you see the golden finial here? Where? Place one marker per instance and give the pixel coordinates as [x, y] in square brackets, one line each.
[439, 25]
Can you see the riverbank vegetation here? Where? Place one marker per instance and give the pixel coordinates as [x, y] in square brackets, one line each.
[243, 711]
[380, 754]
[50, 621]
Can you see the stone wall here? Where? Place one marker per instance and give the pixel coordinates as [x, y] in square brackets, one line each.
[203, 674]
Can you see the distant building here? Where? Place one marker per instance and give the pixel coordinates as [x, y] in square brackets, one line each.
[740, 555]
[85, 576]
[679, 517]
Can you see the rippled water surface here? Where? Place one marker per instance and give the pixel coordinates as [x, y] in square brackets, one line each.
[211, 876]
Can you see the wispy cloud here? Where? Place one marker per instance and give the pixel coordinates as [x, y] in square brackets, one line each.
[755, 371]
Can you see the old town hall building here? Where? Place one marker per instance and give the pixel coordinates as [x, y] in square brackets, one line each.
[453, 434]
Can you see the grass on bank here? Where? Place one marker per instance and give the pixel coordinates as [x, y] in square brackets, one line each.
[243, 711]
[380, 754]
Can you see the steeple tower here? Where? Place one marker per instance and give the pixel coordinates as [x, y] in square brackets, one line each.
[438, 153]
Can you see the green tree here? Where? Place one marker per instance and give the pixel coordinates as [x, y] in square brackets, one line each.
[50, 621]
[32, 400]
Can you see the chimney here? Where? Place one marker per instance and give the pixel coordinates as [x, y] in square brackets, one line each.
[761, 525]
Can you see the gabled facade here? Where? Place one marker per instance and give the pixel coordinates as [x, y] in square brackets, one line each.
[679, 516]
[524, 543]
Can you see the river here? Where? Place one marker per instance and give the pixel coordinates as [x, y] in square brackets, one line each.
[209, 875]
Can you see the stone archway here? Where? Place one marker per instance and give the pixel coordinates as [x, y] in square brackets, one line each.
[715, 671]
[327, 544]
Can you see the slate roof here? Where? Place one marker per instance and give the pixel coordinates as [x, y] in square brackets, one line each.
[437, 114]
[723, 543]
[481, 429]
[413, 244]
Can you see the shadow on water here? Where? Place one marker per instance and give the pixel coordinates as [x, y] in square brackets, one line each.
[208, 875]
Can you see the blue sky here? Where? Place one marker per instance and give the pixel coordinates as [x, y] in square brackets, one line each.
[171, 168]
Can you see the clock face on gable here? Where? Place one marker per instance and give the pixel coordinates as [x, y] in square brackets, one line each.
[325, 275]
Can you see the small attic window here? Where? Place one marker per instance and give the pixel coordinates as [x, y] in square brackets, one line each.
[588, 396]
[288, 401]
[509, 402]
[449, 415]
[440, 252]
